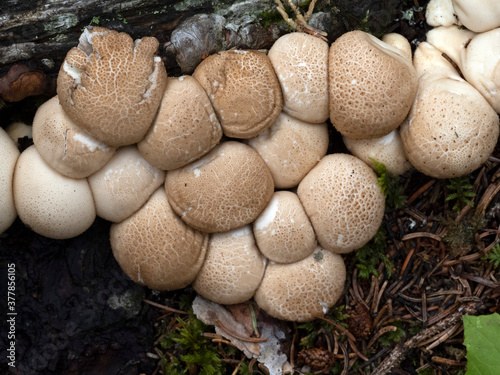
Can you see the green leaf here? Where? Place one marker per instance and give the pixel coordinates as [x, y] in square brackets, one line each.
[482, 339]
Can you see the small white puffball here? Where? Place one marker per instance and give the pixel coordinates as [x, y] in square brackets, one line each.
[8, 157]
[478, 15]
[51, 204]
[440, 13]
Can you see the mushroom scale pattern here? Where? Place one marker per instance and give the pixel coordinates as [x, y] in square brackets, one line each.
[199, 197]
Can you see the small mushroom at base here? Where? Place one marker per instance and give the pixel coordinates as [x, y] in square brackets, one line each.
[8, 159]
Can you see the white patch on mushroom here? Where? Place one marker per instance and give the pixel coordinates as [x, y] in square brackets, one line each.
[268, 215]
[73, 72]
[90, 142]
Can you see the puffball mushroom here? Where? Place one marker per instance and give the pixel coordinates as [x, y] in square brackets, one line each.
[18, 130]
[224, 190]
[477, 56]
[184, 130]
[478, 15]
[387, 150]
[344, 202]
[124, 184]
[111, 86]
[233, 267]
[64, 146]
[243, 89]
[440, 13]
[283, 231]
[49, 203]
[155, 248]
[303, 290]
[371, 84]
[301, 63]
[451, 129]
[9, 155]
[400, 42]
[291, 148]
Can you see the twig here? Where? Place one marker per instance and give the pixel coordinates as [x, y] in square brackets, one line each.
[400, 351]
[163, 307]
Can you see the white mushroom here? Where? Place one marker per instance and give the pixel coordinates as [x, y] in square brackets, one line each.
[49, 203]
[478, 15]
[8, 158]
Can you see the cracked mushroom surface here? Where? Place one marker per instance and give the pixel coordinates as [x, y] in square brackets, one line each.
[155, 248]
[243, 89]
[233, 267]
[372, 85]
[344, 202]
[301, 64]
[64, 146]
[303, 290]
[111, 86]
[451, 129]
[224, 190]
[185, 129]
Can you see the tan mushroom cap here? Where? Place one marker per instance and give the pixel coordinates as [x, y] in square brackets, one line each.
[303, 290]
[224, 190]
[64, 146]
[301, 63]
[124, 184]
[185, 129]
[111, 86]
[451, 129]
[372, 86]
[9, 155]
[243, 89]
[400, 42]
[387, 150]
[49, 203]
[283, 231]
[155, 248]
[344, 202]
[291, 148]
[233, 267]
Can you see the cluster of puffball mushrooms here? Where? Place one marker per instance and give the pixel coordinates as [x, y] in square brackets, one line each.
[262, 213]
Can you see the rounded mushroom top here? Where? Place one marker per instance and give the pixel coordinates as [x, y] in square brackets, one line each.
[283, 231]
[478, 15]
[303, 290]
[185, 128]
[51, 204]
[243, 89]
[372, 86]
[301, 63]
[111, 86]
[225, 189]
[344, 202]
[451, 129]
[9, 154]
[387, 150]
[440, 13]
[64, 146]
[291, 148]
[400, 42]
[233, 267]
[155, 248]
[124, 184]
[18, 130]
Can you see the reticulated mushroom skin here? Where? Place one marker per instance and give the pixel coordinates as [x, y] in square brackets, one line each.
[155, 248]
[64, 146]
[124, 184]
[301, 64]
[111, 86]
[9, 154]
[49, 203]
[243, 89]
[372, 86]
[387, 150]
[451, 129]
[291, 148]
[233, 267]
[303, 290]
[224, 190]
[344, 202]
[283, 231]
[185, 128]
